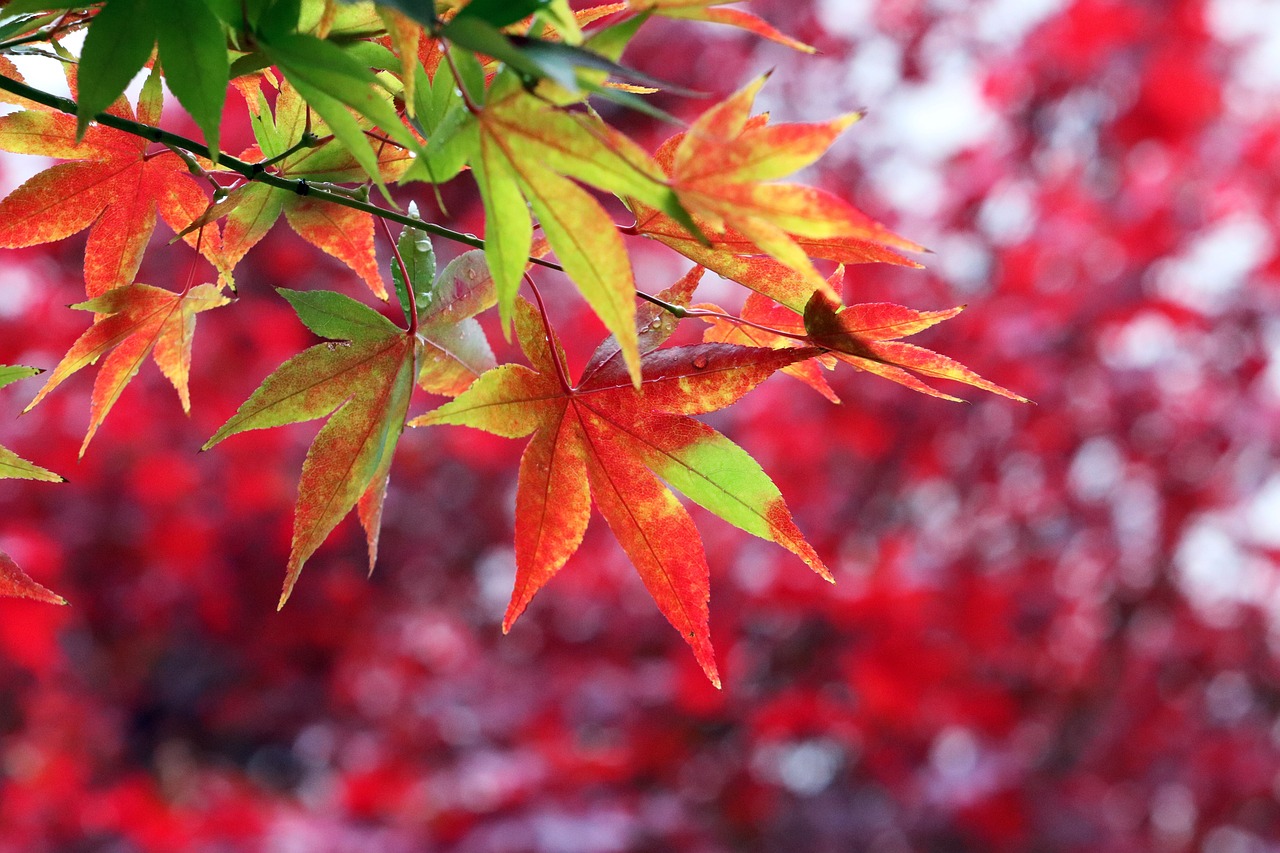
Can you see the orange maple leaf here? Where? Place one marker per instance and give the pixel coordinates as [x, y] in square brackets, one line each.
[865, 335]
[762, 234]
[140, 320]
[115, 183]
[605, 441]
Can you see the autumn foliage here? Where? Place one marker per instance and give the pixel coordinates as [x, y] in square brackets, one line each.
[599, 230]
[516, 117]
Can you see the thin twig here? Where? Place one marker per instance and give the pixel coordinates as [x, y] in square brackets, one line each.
[457, 79]
[680, 313]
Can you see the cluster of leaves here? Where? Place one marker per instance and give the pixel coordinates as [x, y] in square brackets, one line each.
[1052, 628]
[346, 100]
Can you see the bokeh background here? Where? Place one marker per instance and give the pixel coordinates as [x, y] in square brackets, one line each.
[1055, 627]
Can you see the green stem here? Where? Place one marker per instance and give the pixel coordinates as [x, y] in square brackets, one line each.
[194, 167]
[251, 171]
[308, 140]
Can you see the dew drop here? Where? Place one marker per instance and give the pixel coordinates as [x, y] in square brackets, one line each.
[700, 362]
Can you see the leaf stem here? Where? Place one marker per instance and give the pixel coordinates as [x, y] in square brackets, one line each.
[308, 140]
[680, 313]
[193, 165]
[404, 276]
[385, 140]
[551, 338]
[191, 271]
[457, 78]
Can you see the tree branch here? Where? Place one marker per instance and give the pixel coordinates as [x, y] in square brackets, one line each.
[250, 171]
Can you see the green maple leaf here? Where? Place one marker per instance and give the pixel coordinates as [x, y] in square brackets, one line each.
[362, 380]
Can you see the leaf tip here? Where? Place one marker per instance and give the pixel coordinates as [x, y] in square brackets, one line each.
[847, 120]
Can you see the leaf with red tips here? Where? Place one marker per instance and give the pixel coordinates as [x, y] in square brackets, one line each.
[137, 321]
[866, 337]
[605, 440]
[345, 233]
[710, 11]
[762, 234]
[16, 583]
[117, 185]
[362, 384]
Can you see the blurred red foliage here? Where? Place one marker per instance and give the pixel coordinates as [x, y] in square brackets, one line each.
[1054, 629]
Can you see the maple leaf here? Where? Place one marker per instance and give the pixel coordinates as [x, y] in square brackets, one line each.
[13, 466]
[762, 234]
[711, 11]
[606, 440]
[866, 336]
[362, 381]
[114, 184]
[16, 583]
[252, 208]
[135, 321]
[522, 148]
